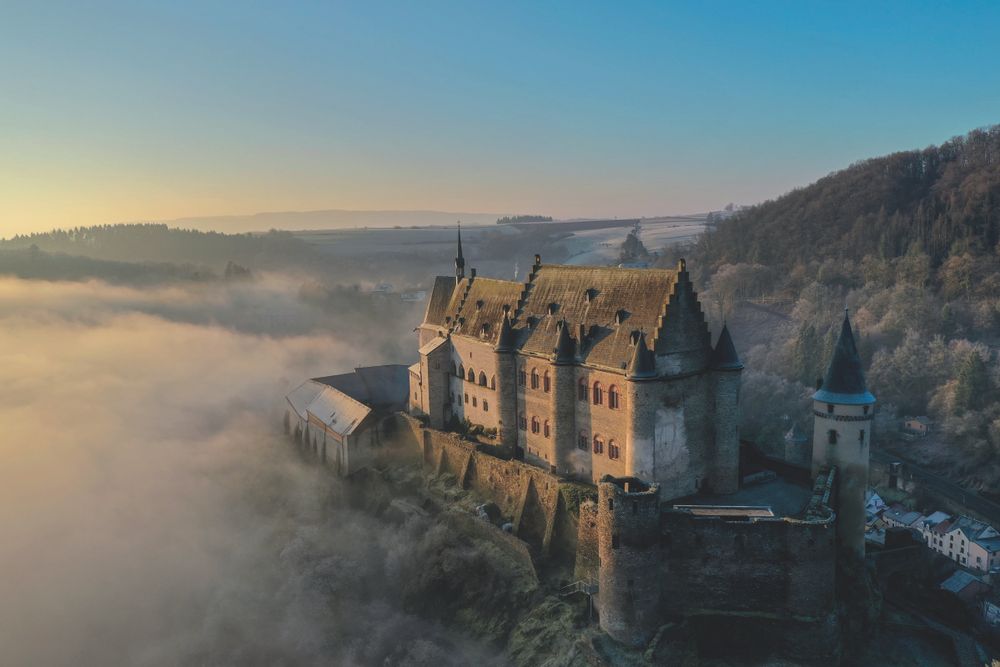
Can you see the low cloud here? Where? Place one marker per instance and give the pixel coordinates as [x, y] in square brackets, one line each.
[151, 514]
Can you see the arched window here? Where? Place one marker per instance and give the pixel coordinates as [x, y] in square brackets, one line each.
[522, 423]
[545, 429]
[613, 399]
[493, 382]
[455, 370]
[482, 379]
[461, 371]
[534, 425]
[583, 442]
[581, 390]
[547, 383]
[472, 375]
[614, 453]
[522, 377]
[534, 378]
[598, 444]
[598, 394]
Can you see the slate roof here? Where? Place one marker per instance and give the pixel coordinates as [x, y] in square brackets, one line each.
[964, 585]
[845, 378]
[334, 408]
[603, 307]
[724, 357]
[385, 386]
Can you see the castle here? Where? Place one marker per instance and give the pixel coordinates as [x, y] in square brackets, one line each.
[608, 377]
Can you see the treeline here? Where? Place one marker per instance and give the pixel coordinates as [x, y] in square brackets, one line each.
[160, 243]
[513, 219]
[941, 201]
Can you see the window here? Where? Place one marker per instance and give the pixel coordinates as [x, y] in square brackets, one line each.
[614, 453]
[466, 398]
[486, 406]
[522, 377]
[473, 401]
[861, 436]
[522, 423]
[461, 371]
[613, 401]
[581, 390]
[829, 408]
[545, 429]
[832, 436]
[598, 444]
[865, 409]
[534, 379]
[546, 383]
[455, 370]
[583, 442]
[534, 425]
[493, 382]
[598, 394]
[472, 375]
[482, 379]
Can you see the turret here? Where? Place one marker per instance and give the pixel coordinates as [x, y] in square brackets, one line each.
[628, 522]
[726, 373]
[459, 259]
[562, 398]
[640, 398]
[507, 384]
[843, 410]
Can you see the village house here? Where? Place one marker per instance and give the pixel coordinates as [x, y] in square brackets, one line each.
[916, 427]
[970, 543]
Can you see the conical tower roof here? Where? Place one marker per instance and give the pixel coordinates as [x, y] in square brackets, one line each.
[506, 340]
[565, 352]
[643, 363]
[724, 357]
[845, 378]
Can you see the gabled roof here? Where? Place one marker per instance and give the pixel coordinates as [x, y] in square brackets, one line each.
[964, 585]
[844, 383]
[333, 408]
[643, 363]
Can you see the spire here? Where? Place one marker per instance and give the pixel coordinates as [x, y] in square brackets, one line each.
[724, 357]
[845, 379]
[565, 351]
[643, 364]
[506, 341]
[459, 260]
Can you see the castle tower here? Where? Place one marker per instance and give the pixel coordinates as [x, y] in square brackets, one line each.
[459, 260]
[507, 384]
[628, 521]
[563, 399]
[727, 370]
[844, 409]
[639, 436]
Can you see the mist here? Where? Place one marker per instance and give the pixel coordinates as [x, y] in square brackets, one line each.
[152, 514]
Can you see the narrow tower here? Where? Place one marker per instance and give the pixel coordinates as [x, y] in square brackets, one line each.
[727, 371]
[844, 409]
[640, 393]
[563, 399]
[507, 384]
[459, 260]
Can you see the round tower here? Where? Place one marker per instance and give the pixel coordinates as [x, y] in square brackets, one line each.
[843, 410]
[563, 400]
[726, 373]
[628, 521]
[639, 437]
[507, 385]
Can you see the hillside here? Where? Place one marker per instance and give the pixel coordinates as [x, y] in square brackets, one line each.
[944, 199]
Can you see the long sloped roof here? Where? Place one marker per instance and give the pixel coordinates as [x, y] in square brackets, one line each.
[604, 304]
[335, 409]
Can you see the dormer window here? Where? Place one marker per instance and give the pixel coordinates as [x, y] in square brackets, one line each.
[485, 329]
[553, 307]
[590, 294]
[479, 304]
[620, 316]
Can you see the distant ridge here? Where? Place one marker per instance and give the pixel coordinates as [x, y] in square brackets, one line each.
[327, 219]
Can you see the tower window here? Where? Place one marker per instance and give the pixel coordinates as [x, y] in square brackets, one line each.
[865, 409]
[598, 394]
[829, 408]
[535, 426]
[861, 436]
[614, 452]
[522, 423]
[473, 401]
[546, 383]
[581, 390]
[522, 377]
[598, 444]
[534, 378]
[461, 371]
[613, 397]
[583, 441]
[545, 428]
[832, 435]
[486, 406]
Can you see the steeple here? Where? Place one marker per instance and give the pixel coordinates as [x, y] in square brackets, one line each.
[506, 341]
[844, 383]
[724, 357]
[565, 351]
[643, 363]
[459, 260]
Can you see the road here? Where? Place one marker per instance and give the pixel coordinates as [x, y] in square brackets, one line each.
[944, 487]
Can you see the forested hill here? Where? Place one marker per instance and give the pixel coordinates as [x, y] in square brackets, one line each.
[943, 200]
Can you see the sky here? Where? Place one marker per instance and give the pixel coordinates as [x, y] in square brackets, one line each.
[138, 110]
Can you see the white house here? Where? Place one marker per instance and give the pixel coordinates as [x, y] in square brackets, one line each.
[971, 543]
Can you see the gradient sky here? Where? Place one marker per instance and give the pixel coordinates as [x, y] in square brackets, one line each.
[153, 110]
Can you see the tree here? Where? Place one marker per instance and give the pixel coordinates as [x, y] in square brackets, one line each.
[973, 386]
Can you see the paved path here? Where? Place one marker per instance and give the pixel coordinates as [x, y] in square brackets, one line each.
[944, 487]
